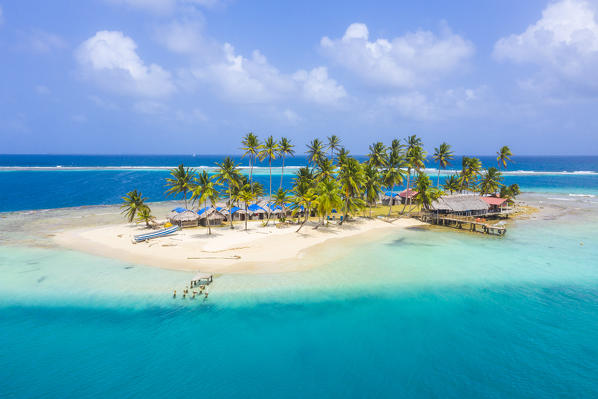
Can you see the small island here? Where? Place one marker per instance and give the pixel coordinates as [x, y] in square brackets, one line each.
[226, 222]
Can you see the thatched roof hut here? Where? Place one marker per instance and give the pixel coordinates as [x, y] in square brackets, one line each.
[211, 215]
[464, 204]
[185, 218]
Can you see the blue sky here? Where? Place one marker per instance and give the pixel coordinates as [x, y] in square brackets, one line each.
[193, 76]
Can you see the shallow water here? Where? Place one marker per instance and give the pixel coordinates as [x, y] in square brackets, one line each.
[419, 313]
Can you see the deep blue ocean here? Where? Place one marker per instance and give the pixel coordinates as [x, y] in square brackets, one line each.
[56, 181]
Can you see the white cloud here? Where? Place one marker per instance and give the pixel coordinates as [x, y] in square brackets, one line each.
[150, 107]
[254, 80]
[403, 62]
[110, 59]
[441, 105]
[181, 37]
[316, 86]
[563, 43]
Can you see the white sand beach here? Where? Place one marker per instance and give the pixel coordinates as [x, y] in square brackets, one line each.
[258, 250]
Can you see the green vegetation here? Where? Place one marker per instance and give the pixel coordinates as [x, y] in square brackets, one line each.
[333, 181]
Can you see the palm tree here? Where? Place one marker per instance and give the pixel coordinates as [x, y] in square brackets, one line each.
[269, 150]
[415, 161]
[280, 199]
[426, 194]
[328, 197]
[394, 172]
[133, 202]
[452, 184]
[371, 184]
[246, 195]
[443, 155]
[504, 155]
[490, 181]
[204, 190]
[145, 215]
[333, 144]
[411, 154]
[351, 179]
[377, 156]
[285, 148]
[228, 172]
[470, 170]
[315, 152]
[326, 169]
[509, 192]
[342, 156]
[180, 181]
[251, 146]
[304, 195]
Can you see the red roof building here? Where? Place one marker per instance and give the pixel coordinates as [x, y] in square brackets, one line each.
[405, 194]
[494, 200]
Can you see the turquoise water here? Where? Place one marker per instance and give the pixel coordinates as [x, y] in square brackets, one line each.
[413, 314]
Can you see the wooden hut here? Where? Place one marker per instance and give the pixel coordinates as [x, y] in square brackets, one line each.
[256, 212]
[185, 218]
[406, 195]
[211, 216]
[496, 205]
[460, 204]
[396, 200]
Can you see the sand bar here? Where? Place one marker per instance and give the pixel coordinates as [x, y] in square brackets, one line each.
[258, 250]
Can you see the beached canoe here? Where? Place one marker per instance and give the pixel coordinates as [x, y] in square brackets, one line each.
[155, 234]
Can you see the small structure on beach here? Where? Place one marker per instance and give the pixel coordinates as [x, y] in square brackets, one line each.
[201, 278]
[407, 195]
[183, 218]
[211, 216]
[460, 204]
[256, 212]
[496, 205]
[396, 200]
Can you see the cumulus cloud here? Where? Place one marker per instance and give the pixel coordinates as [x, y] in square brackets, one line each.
[254, 80]
[563, 43]
[110, 59]
[402, 62]
[316, 86]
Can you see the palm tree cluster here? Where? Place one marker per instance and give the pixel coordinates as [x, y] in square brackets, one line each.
[333, 181]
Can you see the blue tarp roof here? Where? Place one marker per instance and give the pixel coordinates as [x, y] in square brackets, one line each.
[255, 207]
[179, 210]
[234, 209]
[202, 210]
[388, 193]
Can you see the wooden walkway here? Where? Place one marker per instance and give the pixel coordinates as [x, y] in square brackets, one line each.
[468, 223]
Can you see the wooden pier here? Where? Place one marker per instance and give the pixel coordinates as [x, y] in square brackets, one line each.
[469, 223]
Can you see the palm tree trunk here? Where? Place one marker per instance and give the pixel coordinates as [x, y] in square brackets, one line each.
[205, 205]
[270, 165]
[407, 190]
[370, 209]
[251, 172]
[391, 200]
[438, 182]
[282, 172]
[304, 219]
[245, 216]
[230, 208]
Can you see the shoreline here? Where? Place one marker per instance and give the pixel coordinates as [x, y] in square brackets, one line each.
[259, 250]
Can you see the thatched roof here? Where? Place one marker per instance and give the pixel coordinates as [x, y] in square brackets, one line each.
[459, 203]
[186, 216]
